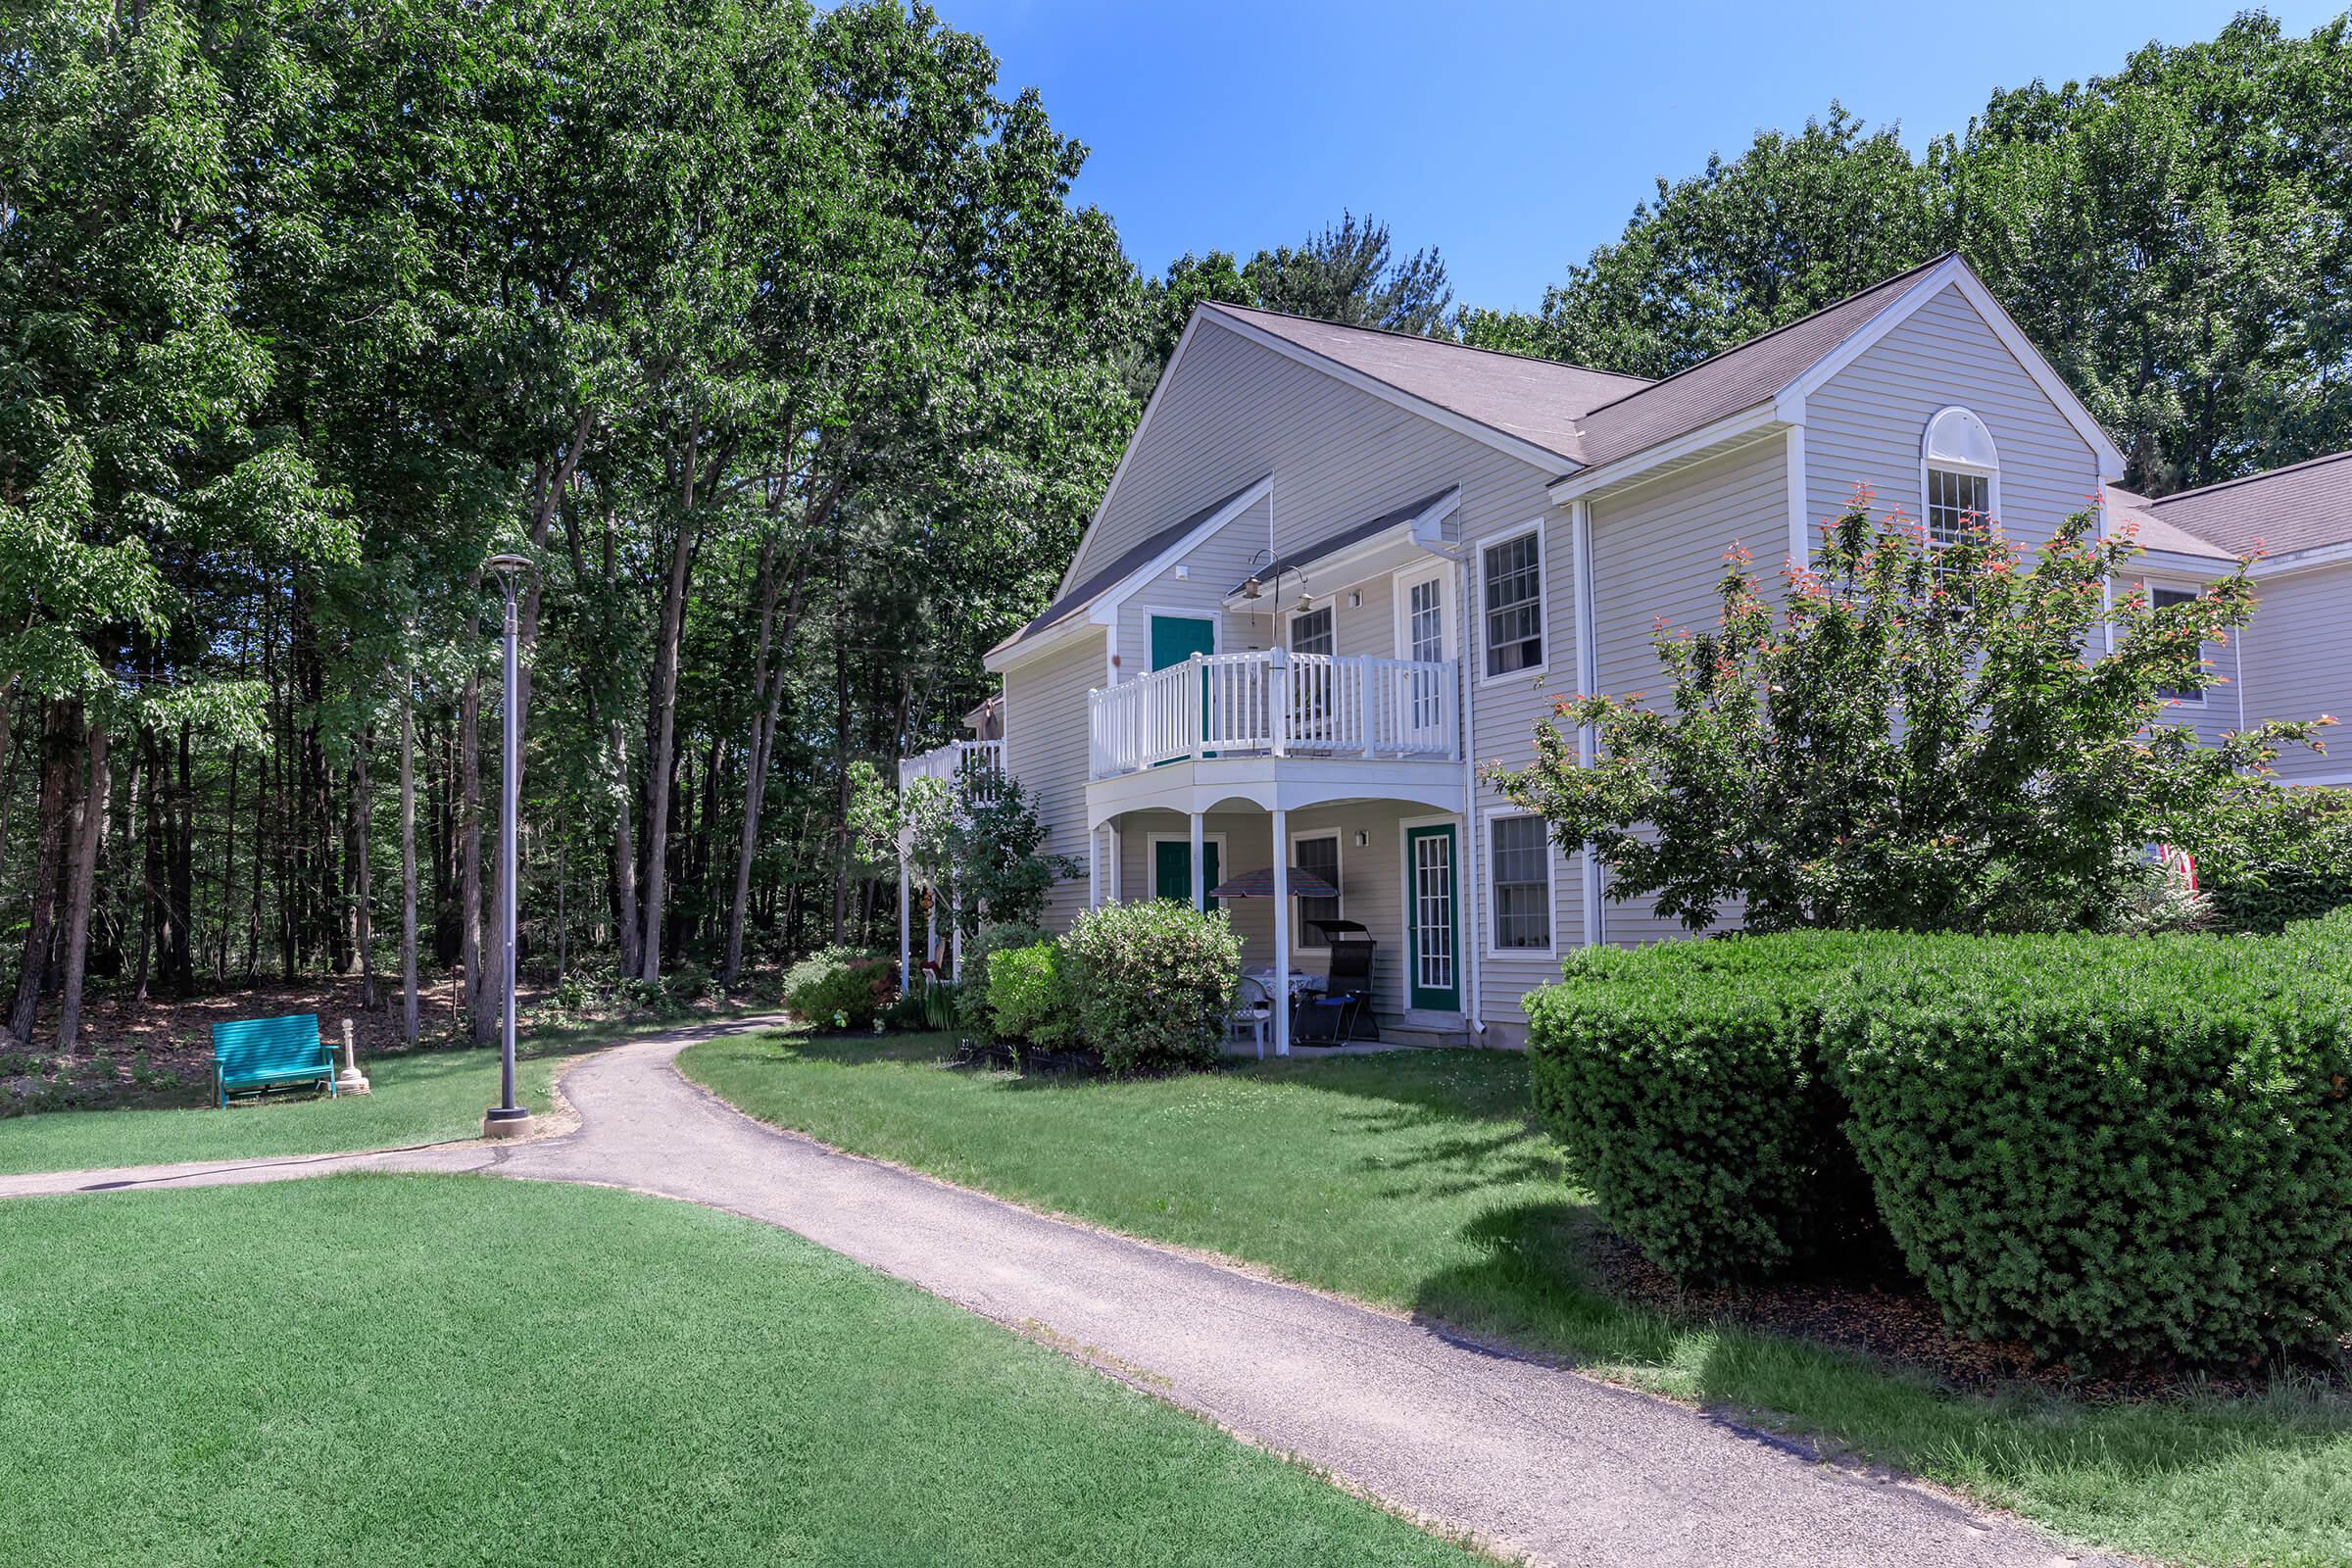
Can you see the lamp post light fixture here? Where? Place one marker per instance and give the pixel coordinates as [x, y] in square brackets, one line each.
[506, 1119]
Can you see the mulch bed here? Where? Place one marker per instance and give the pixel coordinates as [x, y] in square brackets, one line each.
[1882, 1312]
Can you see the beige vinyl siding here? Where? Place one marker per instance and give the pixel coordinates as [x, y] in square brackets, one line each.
[2296, 662]
[1238, 410]
[1046, 747]
[1658, 556]
[1210, 571]
[1865, 425]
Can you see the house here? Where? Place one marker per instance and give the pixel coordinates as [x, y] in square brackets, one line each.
[1338, 571]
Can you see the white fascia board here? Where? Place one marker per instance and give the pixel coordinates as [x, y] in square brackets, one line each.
[1953, 272]
[1761, 418]
[2302, 561]
[1502, 441]
[2201, 566]
[1425, 531]
[1052, 640]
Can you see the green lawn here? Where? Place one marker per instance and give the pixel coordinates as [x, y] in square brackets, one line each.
[1414, 1181]
[426, 1097]
[435, 1370]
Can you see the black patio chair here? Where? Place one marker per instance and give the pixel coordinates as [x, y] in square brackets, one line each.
[1344, 1011]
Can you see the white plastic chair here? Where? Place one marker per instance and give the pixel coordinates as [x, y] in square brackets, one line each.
[1253, 1010]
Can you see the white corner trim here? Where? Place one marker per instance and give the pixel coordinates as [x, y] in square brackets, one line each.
[1750, 421]
[1588, 740]
[1801, 528]
[1525, 450]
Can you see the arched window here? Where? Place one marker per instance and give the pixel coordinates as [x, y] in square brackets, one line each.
[1959, 476]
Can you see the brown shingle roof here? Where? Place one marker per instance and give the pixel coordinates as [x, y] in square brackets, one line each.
[2126, 510]
[1738, 378]
[2298, 507]
[1539, 401]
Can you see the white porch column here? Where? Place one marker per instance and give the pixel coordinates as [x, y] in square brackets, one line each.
[954, 934]
[1093, 868]
[906, 927]
[1118, 867]
[1282, 933]
[1199, 869]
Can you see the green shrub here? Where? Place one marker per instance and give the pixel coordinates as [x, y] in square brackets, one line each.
[971, 1004]
[838, 988]
[1151, 983]
[2279, 855]
[2113, 1148]
[1682, 1080]
[1029, 996]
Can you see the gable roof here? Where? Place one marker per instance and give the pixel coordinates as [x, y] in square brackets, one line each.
[1134, 559]
[2301, 507]
[2137, 512]
[1738, 378]
[1356, 533]
[1537, 401]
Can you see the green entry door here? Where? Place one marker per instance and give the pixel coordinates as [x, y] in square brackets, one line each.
[1177, 638]
[1172, 869]
[1432, 928]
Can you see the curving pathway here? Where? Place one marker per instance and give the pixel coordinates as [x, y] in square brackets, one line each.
[1525, 1458]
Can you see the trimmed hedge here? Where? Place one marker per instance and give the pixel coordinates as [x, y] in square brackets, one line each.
[1029, 996]
[971, 1003]
[2109, 1146]
[840, 987]
[1153, 983]
[1685, 1083]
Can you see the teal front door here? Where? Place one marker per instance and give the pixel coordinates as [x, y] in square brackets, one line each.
[1177, 638]
[1432, 929]
[1172, 869]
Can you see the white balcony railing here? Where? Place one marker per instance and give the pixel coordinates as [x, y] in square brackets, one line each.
[1276, 704]
[981, 761]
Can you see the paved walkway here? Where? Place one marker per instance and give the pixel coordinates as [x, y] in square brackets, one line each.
[1528, 1458]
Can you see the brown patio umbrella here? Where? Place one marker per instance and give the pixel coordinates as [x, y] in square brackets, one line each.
[1259, 884]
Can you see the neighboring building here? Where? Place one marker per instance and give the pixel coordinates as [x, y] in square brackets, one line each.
[1338, 570]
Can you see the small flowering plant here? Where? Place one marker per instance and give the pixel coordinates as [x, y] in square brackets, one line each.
[1909, 734]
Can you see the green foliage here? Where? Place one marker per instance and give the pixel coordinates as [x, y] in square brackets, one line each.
[1153, 983]
[938, 1003]
[838, 988]
[971, 1001]
[978, 843]
[2275, 855]
[1685, 1084]
[2113, 1148]
[1029, 996]
[1913, 741]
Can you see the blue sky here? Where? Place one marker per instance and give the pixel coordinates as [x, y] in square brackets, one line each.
[1514, 136]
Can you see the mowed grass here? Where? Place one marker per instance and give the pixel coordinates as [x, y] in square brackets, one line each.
[1416, 1181]
[429, 1097]
[450, 1369]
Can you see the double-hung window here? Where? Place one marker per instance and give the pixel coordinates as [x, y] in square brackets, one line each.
[1311, 632]
[2163, 599]
[1319, 856]
[1519, 851]
[1958, 502]
[1512, 571]
[1959, 473]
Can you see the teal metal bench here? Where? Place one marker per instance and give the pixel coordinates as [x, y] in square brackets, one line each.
[265, 1053]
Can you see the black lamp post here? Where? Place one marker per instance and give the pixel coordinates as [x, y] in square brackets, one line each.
[506, 1119]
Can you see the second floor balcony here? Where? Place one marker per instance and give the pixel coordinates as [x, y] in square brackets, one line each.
[1277, 704]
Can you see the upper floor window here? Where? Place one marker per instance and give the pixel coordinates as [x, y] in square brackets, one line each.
[1512, 571]
[1311, 632]
[2163, 599]
[1960, 476]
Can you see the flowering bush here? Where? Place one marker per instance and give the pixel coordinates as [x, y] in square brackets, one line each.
[1914, 740]
[1153, 983]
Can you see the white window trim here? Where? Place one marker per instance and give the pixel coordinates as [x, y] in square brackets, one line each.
[2192, 589]
[1551, 890]
[1990, 475]
[1532, 672]
[1151, 859]
[1299, 943]
[1401, 588]
[1290, 616]
[1216, 635]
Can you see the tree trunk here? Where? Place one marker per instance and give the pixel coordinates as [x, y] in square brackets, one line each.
[841, 786]
[228, 867]
[55, 784]
[408, 863]
[362, 876]
[90, 828]
[624, 860]
[657, 761]
[767, 696]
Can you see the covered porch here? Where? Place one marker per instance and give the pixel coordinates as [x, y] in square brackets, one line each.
[1394, 858]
